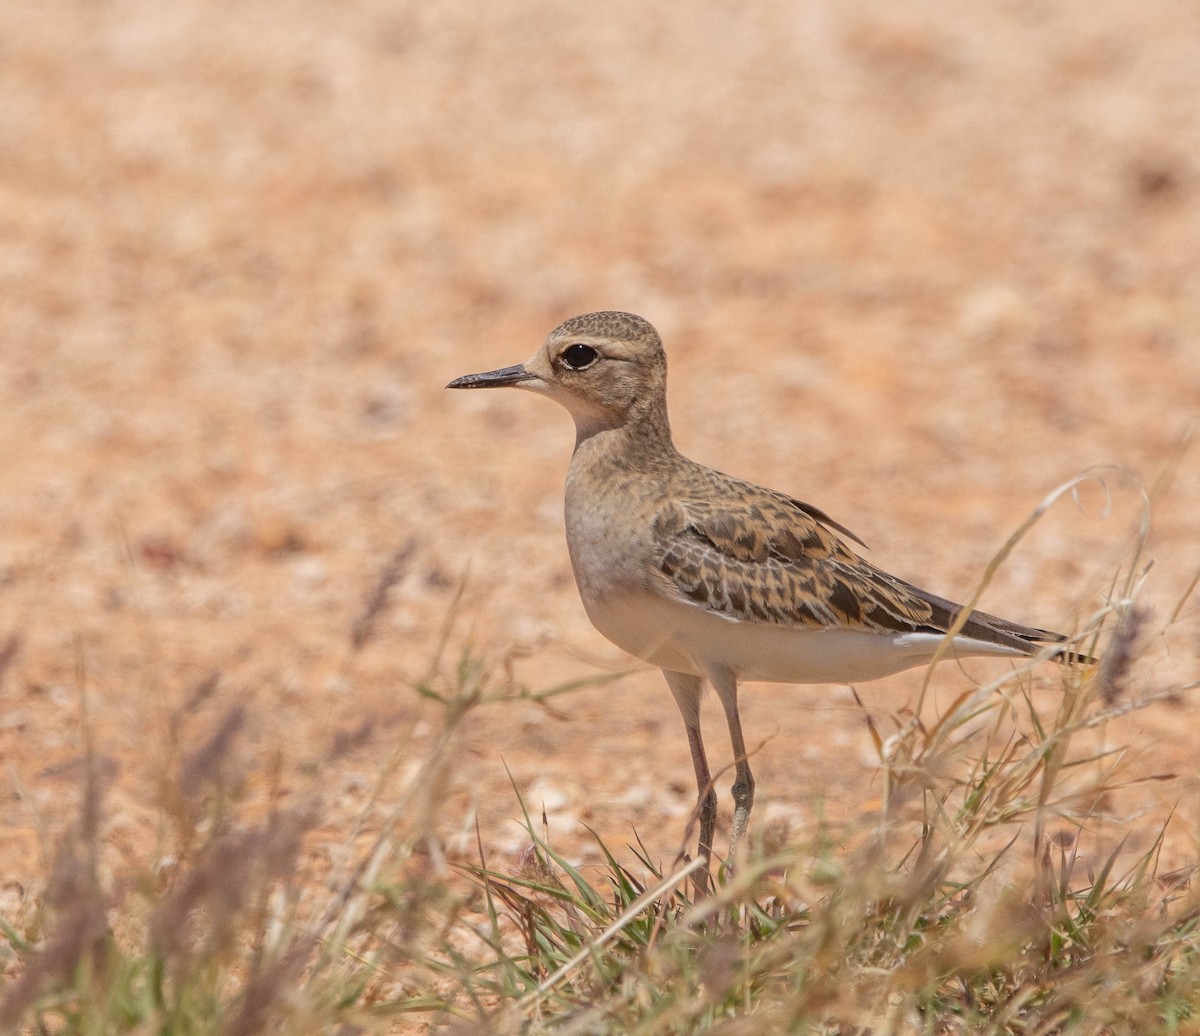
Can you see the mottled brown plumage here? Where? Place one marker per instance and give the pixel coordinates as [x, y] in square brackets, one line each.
[758, 556]
[708, 576]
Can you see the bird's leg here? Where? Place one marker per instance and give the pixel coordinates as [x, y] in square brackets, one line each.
[686, 691]
[725, 684]
[706, 801]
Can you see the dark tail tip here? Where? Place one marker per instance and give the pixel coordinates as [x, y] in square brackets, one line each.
[1068, 657]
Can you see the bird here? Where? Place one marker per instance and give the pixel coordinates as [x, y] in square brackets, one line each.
[713, 578]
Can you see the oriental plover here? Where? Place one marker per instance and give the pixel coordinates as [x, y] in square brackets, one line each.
[712, 578]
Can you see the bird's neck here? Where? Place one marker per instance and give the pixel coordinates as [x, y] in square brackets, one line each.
[642, 439]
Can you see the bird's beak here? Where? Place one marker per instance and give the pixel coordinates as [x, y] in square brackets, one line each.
[494, 379]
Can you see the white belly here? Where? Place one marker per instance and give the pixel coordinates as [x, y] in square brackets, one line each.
[686, 639]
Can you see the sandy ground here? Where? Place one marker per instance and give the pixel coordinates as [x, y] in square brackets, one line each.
[918, 266]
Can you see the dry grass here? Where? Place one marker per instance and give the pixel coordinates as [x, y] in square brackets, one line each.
[991, 894]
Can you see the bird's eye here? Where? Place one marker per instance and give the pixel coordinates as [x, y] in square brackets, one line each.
[579, 356]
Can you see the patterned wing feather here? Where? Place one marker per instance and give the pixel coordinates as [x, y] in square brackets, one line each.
[758, 556]
[763, 558]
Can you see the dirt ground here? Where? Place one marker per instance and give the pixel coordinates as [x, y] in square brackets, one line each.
[917, 265]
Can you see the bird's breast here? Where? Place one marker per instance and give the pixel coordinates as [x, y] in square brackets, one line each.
[609, 519]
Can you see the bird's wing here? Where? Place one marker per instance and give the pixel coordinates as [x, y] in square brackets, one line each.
[760, 557]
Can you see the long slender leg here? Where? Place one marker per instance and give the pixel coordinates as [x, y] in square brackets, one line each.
[725, 684]
[686, 691]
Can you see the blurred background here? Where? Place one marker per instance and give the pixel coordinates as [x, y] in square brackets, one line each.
[917, 264]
